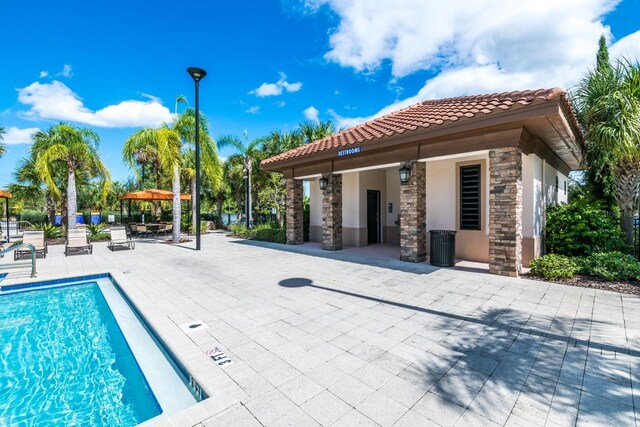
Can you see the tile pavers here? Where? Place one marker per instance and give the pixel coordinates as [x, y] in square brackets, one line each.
[428, 346]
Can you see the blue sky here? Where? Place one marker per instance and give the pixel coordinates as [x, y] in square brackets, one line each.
[117, 66]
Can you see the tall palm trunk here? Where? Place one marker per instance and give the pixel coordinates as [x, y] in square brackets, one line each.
[627, 176]
[219, 202]
[192, 188]
[51, 208]
[176, 204]
[72, 203]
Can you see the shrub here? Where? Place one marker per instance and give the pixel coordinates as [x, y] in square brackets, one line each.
[581, 228]
[96, 232]
[262, 232]
[554, 267]
[612, 266]
[267, 233]
[51, 231]
[239, 230]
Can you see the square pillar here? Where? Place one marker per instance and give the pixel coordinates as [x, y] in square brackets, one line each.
[505, 211]
[413, 215]
[294, 211]
[332, 214]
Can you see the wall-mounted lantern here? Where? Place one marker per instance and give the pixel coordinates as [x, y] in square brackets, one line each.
[405, 174]
[323, 183]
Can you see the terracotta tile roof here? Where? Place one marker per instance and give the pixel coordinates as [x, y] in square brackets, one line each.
[422, 115]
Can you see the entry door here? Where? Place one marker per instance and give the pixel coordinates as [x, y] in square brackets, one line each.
[373, 216]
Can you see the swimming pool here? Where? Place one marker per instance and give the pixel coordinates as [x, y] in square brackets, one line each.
[64, 360]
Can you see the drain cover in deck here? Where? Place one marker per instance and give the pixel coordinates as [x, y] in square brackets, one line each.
[193, 326]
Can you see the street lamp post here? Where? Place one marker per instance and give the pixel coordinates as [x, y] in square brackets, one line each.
[247, 195]
[197, 74]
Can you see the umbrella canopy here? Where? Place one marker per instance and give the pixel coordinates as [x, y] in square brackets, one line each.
[151, 195]
[5, 194]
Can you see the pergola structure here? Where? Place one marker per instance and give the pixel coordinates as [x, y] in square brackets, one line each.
[6, 196]
[153, 195]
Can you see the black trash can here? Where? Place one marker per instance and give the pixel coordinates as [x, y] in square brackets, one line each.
[443, 248]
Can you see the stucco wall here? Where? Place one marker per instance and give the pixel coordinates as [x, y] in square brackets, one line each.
[551, 195]
[442, 205]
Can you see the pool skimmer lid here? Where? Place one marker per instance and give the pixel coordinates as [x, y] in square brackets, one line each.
[193, 326]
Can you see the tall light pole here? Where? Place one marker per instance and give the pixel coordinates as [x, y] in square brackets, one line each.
[197, 74]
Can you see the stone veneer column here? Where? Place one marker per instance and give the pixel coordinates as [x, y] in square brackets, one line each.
[294, 211]
[505, 211]
[332, 214]
[413, 216]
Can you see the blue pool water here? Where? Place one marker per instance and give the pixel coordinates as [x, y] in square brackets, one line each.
[64, 361]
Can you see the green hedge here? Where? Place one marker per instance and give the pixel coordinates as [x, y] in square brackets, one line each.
[554, 267]
[261, 232]
[610, 266]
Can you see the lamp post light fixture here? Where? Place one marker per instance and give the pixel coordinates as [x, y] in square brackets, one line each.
[197, 74]
[323, 183]
[405, 174]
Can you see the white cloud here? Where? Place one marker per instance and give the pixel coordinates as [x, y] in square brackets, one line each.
[253, 109]
[275, 89]
[627, 47]
[44, 74]
[418, 35]
[311, 113]
[56, 101]
[471, 46]
[15, 136]
[66, 71]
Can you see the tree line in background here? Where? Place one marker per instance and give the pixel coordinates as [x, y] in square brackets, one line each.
[64, 172]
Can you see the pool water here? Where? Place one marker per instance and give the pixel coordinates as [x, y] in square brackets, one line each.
[64, 361]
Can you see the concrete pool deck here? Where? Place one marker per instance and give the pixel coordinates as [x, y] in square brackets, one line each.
[331, 338]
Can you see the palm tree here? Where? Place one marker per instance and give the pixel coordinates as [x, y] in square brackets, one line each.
[3, 149]
[165, 143]
[250, 153]
[210, 164]
[607, 100]
[76, 151]
[29, 187]
[312, 131]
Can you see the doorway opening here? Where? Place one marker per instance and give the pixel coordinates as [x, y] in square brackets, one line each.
[373, 217]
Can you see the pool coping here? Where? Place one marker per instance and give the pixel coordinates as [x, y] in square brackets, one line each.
[218, 389]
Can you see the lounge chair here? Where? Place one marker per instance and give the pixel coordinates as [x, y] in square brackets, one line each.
[35, 238]
[119, 238]
[77, 240]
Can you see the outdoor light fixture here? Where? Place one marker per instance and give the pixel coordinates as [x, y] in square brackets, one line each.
[323, 183]
[197, 74]
[405, 174]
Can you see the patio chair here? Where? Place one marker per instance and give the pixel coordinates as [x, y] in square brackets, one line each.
[77, 240]
[119, 238]
[35, 238]
[143, 230]
[168, 229]
[134, 228]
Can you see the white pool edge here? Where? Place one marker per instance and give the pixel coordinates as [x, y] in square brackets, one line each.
[165, 383]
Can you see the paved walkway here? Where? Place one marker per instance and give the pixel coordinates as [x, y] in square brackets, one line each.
[321, 338]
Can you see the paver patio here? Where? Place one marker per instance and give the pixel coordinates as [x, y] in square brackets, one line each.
[321, 338]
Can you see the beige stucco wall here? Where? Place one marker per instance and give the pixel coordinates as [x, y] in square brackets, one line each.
[442, 205]
[532, 207]
[390, 229]
[442, 191]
